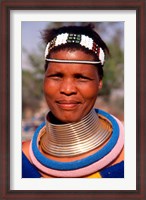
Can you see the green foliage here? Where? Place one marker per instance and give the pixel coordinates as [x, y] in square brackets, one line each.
[32, 81]
[113, 71]
[31, 91]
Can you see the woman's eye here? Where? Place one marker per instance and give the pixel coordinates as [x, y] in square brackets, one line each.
[83, 78]
[54, 76]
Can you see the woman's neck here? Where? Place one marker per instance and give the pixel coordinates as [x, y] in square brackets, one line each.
[73, 139]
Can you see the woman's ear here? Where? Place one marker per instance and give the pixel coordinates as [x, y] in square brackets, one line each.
[100, 84]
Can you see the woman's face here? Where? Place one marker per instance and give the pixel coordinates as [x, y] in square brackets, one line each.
[71, 89]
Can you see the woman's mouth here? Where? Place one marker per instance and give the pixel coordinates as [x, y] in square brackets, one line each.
[67, 105]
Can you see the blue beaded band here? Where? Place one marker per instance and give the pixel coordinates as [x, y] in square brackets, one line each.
[82, 162]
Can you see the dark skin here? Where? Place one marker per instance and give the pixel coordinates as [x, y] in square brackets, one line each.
[71, 89]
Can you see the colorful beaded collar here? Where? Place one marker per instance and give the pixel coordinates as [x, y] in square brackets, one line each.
[82, 162]
[81, 172]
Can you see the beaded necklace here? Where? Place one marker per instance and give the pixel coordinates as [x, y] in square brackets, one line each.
[95, 167]
[82, 162]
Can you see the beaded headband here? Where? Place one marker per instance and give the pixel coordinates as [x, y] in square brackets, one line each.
[82, 40]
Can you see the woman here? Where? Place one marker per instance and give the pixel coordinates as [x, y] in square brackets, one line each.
[75, 140]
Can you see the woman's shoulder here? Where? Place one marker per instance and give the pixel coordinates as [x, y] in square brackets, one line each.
[25, 148]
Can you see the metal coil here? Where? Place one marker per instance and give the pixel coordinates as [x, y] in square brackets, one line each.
[75, 138]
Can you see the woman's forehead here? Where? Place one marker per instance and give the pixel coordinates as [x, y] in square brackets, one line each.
[71, 68]
[71, 54]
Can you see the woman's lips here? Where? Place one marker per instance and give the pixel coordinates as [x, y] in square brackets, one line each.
[67, 105]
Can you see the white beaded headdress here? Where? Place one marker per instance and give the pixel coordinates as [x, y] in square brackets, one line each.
[82, 40]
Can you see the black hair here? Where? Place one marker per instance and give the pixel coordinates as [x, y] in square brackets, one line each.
[87, 30]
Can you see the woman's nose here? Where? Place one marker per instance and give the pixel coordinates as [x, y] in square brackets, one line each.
[68, 87]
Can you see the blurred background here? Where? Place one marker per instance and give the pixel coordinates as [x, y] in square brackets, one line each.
[111, 97]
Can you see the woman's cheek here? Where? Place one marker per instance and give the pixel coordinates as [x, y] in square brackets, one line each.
[49, 87]
[90, 91]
